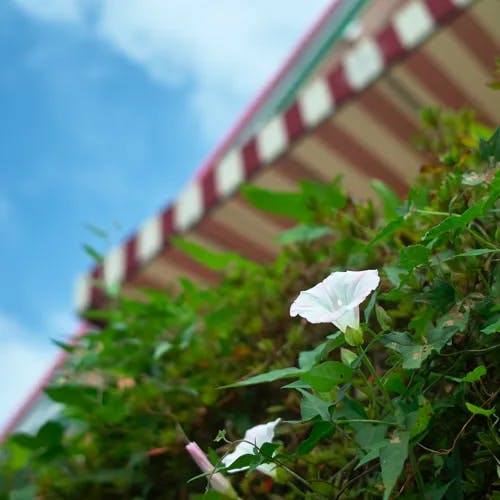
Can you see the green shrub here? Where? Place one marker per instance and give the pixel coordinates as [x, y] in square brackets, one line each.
[412, 409]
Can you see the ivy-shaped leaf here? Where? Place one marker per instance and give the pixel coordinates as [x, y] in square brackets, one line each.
[323, 377]
[456, 221]
[311, 406]
[390, 200]
[307, 359]
[493, 328]
[321, 430]
[490, 148]
[303, 233]
[389, 229]
[413, 256]
[477, 410]
[419, 420]
[392, 458]
[218, 261]
[268, 377]
[413, 353]
[288, 204]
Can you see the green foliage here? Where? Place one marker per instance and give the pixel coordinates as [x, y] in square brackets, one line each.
[411, 413]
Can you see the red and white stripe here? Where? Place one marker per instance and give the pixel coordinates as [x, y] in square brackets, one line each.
[364, 63]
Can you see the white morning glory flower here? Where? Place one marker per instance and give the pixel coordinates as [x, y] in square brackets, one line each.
[336, 299]
[256, 436]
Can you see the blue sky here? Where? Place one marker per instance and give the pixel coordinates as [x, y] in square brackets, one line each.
[108, 107]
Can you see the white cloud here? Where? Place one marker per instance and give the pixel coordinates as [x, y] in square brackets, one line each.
[224, 50]
[221, 51]
[23, 361]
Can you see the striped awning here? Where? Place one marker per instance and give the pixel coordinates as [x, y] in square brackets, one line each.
[355, 117]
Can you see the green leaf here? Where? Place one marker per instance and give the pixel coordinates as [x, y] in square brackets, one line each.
[327, 375]
[413, 256]
[329, 195]
[292, 205]
[475, 375]
[419, 420]
[250, 461]
[494, 85]
[392, 459]
[267, 450]
[370, 436]
[114, 408]
[50, 434]
[218, 261]
[347, 357]
[436, 491]
[493, 328]
[221, 436]
[297, 384]
[394, 382]
[477, 410]
[369, 307]
[94, 254]
[65, 347]
[311, 406]
[389, 229]
[268, 377]
[307, 359]
[25, 440]
[335, 340]
[413, 354]
[78, 396]
[447, 326]
[455, 221]
[383, 319]
[303, 233]
[490, 148]
[97, 231]
[475, 252]
[441, 296]
[390, 200]
[24, 493]
[321, 430]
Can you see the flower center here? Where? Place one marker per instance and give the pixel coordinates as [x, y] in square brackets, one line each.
[339, 302]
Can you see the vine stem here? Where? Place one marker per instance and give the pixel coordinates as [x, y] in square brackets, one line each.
[296, 476]
[369, 390]
[478, 237]
[416, 470]
[373, 372]
[364, 421]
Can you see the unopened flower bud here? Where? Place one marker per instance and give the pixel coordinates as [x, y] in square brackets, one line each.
[347, 356]
[353, 336]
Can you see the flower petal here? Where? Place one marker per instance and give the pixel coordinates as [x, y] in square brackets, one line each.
[261, 434]
[350, 318]
[312, 305]
[240, 450]
[255, 436]
[350, 288]
[336, 298]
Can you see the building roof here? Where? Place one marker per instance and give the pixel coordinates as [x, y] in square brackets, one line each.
[355, 117]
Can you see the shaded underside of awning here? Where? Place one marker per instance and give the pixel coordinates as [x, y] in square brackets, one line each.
[356, 118]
